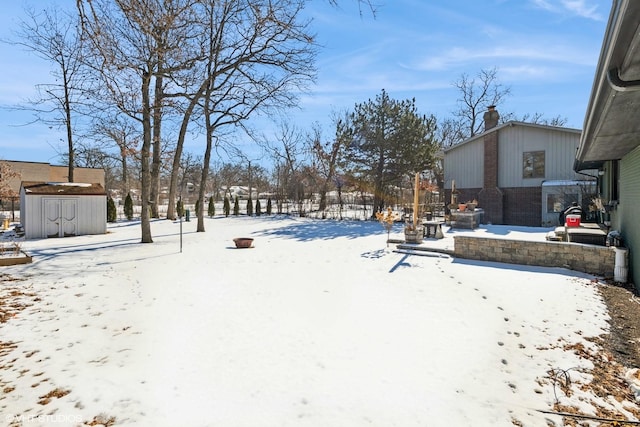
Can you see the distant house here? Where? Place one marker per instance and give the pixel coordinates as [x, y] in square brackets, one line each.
[610, 141]
[241, 192]
[62, 209]
[520, 173]
[45, 172]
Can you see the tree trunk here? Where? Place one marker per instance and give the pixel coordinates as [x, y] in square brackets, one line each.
[145, 222]
[177, 156]
[67, 109]
[203, 181]
[154, 191]
[125, 172]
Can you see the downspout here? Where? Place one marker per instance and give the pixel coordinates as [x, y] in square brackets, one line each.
[586, 174]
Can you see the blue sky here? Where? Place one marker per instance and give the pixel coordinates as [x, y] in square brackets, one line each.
[546, 51]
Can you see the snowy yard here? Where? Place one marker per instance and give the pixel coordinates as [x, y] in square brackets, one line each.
[319, 324]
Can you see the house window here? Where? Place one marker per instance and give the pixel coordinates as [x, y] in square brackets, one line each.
[533, 164]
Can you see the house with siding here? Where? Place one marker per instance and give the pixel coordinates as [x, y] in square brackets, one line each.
[520, 173]
[39, 171]
[610, 141]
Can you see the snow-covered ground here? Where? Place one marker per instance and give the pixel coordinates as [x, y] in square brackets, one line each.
[319, 324]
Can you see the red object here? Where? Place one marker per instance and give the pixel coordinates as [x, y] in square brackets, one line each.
[572, 221]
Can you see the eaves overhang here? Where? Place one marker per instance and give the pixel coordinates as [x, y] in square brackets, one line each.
[612, 123]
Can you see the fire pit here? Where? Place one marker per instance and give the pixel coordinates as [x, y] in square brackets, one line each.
[243, 242]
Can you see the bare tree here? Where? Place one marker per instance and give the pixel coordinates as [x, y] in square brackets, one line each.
[192, 100]
[449, 132]
[291, 157]
[327, 155]
[260, 55]
[229, 174]
[476, 95]
[54, 37]
[117, 130]
[362, 4]
[7, 175]
[137, 44]
[537, 118]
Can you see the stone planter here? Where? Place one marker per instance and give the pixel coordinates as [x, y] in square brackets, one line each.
[243, 242]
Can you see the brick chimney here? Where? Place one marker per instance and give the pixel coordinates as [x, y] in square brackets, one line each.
[491, 117]
[491, 197]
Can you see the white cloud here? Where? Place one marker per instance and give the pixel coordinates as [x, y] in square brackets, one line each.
[582, 8]
[544, 4]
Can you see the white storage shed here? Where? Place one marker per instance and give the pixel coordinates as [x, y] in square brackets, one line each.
[62, 209]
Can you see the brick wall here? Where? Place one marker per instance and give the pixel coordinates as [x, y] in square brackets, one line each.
[491, 198]
[523, 206]
[590, 259]
[490, 160]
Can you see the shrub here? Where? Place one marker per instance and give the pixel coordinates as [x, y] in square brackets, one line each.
[112, 213]
[211, 209]
[236, 207]
[227, 206]
[128, 207]
[249, 207]
[269, 206]
[180, 208]
[258, 208]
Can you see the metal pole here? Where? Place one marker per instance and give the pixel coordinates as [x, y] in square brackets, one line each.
[180, 203]
[416, 200]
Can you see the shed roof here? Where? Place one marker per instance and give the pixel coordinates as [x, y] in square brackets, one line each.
[63, 188]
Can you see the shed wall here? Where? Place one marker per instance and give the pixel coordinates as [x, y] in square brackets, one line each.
[91, 217]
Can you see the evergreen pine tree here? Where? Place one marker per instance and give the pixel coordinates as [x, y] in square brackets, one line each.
[258, 208]
[249, 207]
[226, 207]
[180, 208]
[128, 207]
[112, 213]
[269, 206]
[236, 207]
[211, 209]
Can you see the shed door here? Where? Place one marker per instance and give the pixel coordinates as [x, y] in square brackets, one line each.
[60, 217]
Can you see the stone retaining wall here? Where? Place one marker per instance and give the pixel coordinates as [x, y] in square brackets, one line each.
[591, 259]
